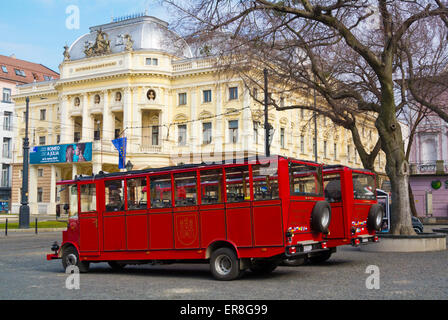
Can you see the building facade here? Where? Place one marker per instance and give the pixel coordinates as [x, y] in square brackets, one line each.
[134, 78]
[13, 72]
[429, 168]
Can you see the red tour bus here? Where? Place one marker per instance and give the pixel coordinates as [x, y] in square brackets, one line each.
[250, 214]
[356, 214]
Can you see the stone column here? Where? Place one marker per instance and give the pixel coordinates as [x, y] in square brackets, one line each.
[88, 125]
[108, 120]
[66, 122]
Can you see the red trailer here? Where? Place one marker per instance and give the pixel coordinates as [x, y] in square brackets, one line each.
[356, 214]
[249, 214]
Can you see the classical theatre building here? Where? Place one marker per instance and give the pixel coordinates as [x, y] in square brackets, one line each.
[134, 78]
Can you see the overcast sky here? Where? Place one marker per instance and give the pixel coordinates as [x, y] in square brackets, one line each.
[38, 30]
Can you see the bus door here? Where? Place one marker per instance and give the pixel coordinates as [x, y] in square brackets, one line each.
[334, 195]
[161, 213]
[114, 219]
[267, 209]
[186, 210]
[212, 212]
[137, 220]
[88, 219]
[238, 206]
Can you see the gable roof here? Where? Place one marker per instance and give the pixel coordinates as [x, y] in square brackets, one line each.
[27, 72]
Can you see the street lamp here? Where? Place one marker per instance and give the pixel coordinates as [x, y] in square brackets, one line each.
[24, 213]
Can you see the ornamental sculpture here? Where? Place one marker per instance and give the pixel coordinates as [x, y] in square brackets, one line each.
[66, 53]
[100, 47]
[129, 43]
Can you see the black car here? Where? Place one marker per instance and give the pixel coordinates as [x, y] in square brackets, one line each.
[417, 225]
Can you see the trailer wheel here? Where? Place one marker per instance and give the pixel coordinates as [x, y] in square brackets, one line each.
[322, 257]
[263, 267]
[225, 265]
[375, 217]
[321, 217]
[70, 257]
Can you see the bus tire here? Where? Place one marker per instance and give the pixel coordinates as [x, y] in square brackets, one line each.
[375, 217]
[225, 265]
[70, 257]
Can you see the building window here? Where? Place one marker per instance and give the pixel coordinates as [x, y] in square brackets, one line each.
[182, 134]
[40, 173]
[4, 69]
[77, 137]
[40, 195]
[207, 96]
[6, 95]
[233, 93]
[152, 61]
[58, 139]
[48, 78]
[96, 135]
[20, 73]
[325, 149]
[282, 138]
[43, 114]
[118, 96]
[97, 99]
[207, 132]
[155, 135]
[349, 153]
[5, 175]
[335, 151]
[7, 121]
[182, 98]
[302, 144]
[7, 148]
[42, 140]
[256, 124]
[233, 131]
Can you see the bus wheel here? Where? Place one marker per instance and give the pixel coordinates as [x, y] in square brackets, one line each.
[322, 257]
[117, 266]
[263, 267]
[224, 264]
[70, 257]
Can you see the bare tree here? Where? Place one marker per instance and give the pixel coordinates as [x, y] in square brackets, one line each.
[362, 58]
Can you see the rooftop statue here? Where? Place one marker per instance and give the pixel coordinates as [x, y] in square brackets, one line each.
[100, 47]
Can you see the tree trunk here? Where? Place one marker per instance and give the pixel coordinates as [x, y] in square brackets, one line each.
[412, 202]
[397, 168]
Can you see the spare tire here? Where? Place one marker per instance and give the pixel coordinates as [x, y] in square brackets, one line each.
[321, 217]
[375, 217]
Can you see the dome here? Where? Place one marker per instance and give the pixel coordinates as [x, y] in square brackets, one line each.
[147, 33]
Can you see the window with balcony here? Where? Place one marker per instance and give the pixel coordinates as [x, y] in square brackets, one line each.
[42, 140]
[182, 135]
[207, 96]
[182, 98]
[233, 93]
[155, 135]
[7, 148]
[5, 175]
[207, 132]
[43, 114]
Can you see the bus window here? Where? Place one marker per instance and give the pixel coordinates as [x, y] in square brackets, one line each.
[265, 178]
[114, 195]
[305, 180]
[332, 187]
[73, 208]
[88, 198]
[364, 186]
[185, 187]
[160, 191]
[137, 194]
[237, 184]
[211, 186]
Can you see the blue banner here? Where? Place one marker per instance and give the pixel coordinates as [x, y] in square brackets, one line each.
[120, 145]
[66, 153]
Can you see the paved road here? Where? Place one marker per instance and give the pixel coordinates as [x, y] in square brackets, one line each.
[25, 274]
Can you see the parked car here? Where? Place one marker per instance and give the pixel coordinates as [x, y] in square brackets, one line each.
[417, 225]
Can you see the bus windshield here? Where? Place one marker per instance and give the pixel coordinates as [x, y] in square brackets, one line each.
[364, 186]
[305, 180]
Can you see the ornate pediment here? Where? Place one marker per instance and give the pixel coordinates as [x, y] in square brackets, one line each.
[100, 47]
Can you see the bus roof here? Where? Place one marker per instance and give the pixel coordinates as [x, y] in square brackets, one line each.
[247, 160]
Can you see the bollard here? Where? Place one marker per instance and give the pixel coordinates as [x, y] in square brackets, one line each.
[36, 226]
[6, 228]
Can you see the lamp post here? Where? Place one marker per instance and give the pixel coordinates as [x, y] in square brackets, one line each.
[266, 115]
[24, 214]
